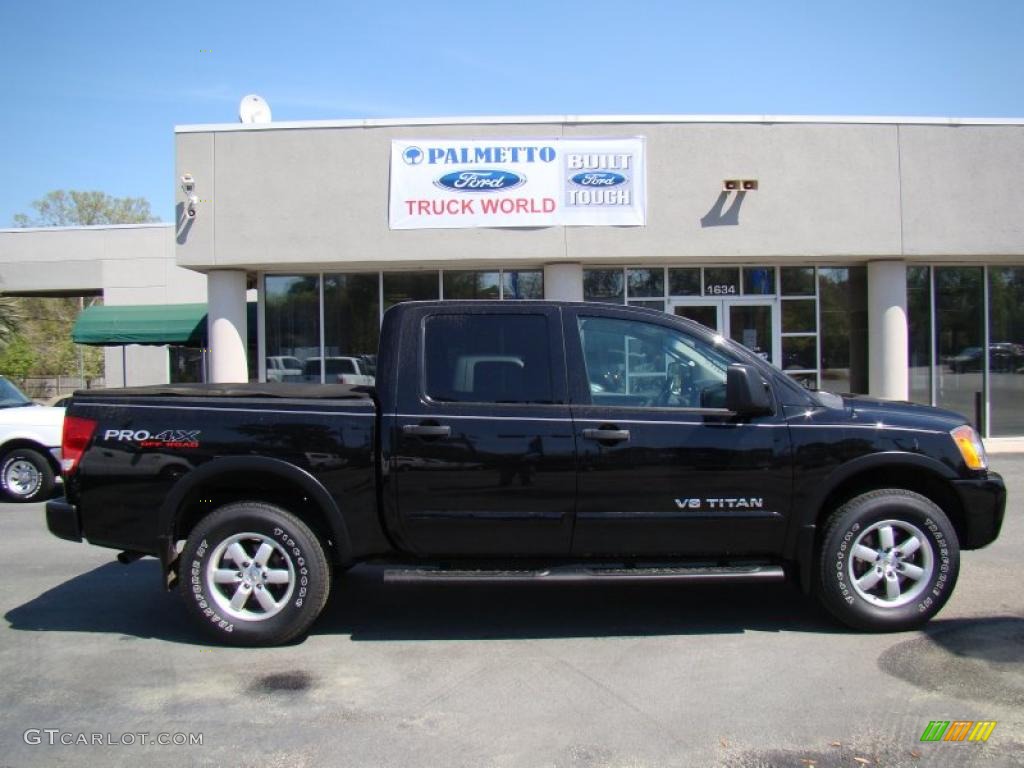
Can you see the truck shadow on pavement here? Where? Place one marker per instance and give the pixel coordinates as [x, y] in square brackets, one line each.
[366, 608]
[128, 600]
[112, 598]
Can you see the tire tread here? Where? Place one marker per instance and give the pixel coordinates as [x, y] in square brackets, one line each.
[287, 632]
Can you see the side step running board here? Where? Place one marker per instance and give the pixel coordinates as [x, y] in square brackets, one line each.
[587, 573]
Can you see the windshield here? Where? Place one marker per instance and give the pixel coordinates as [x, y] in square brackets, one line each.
[11, 396]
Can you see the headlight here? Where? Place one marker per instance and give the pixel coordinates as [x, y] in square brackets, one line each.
[970, 446]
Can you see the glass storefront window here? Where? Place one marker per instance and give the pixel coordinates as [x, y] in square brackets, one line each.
[605, 285]
[959, 337]
[797, 281]
[292, 310]
[799, 353]
[919, 332]
[522, 284]
[471, 285]
[843, 309]
[799, 316]
[1006, 350]
[409, 286]
[721, 281]
[351, 323]
[648, 303]
[684, 281]
[759, 281]
[187, 364]
[645, 282]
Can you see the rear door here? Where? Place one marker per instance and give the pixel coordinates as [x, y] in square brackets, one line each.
[665, 469]
[484, 452]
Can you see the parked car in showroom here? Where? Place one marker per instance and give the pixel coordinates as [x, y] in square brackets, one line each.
[284, 368]
[30, 437]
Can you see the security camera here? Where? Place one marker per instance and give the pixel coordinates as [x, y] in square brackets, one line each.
[188, 184]
[190, 209]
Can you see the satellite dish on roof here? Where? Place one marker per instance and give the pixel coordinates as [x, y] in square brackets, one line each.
[253, 109]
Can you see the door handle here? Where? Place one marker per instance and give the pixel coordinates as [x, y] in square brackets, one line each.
[426, 430]
[609, 435]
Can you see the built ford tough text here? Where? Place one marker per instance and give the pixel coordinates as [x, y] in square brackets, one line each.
[509, 441]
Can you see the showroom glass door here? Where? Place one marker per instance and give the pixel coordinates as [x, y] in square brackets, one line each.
[750, 322]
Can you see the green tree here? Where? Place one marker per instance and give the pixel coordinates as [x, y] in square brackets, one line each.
[18, 359]
[10, 319]
[62, 208]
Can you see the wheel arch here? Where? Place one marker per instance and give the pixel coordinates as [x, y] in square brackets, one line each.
[30, 442]
[907, 471]
[252, 478]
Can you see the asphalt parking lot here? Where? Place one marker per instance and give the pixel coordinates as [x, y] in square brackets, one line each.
[531, 675]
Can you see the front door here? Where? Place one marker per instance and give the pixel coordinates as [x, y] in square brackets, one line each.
[664, 468]
[750, 322]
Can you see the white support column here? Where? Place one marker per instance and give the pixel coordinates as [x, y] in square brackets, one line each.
[888, 372]
[226, 326]
[563, 282]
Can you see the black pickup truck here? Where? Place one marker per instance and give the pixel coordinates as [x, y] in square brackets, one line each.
[508, 441]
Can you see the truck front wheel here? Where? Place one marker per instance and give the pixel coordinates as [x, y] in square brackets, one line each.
[254, 574]
[889, 560]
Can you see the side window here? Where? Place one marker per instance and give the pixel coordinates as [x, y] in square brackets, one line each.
[502, 358]
[640, 364]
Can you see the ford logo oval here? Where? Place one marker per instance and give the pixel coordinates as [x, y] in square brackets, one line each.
[598, 179]
[480, 181]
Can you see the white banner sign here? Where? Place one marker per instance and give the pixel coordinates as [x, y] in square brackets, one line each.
[516, 183]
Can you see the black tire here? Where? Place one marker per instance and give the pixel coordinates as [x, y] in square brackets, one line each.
[26, 475]
[295, 551]
[856, 590]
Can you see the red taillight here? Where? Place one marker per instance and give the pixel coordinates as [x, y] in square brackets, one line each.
[77, 434]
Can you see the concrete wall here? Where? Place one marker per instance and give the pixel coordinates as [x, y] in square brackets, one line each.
[295, 198]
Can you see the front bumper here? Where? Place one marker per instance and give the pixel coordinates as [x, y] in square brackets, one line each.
[62, 519]
[984, 503]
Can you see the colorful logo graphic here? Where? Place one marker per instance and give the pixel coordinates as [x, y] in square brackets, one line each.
[480, 181]
[958, 730]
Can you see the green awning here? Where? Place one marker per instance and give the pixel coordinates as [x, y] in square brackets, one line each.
[181, 324]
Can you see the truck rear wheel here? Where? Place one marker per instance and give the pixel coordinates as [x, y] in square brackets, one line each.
[254, 574]
[889, 560]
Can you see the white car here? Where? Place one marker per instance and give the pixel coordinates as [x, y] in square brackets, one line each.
[30, 438]
[340, 370]
[284, 368]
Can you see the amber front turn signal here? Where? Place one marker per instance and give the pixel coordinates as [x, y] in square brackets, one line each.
[971, 447]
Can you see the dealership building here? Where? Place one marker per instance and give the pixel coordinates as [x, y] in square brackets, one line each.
[868, 255]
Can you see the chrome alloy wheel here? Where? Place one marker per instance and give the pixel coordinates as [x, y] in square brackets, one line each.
[250, 576]
[22, 477]
[891, 563]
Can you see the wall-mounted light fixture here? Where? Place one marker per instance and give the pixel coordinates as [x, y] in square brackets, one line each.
[739, 185]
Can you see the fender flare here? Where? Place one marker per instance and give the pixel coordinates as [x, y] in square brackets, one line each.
[810, 504]
[167, 515]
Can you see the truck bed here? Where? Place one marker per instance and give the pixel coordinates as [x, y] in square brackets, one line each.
[154, 445]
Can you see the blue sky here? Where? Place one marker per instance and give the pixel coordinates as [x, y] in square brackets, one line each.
[92, 91]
